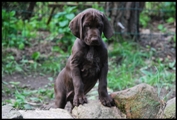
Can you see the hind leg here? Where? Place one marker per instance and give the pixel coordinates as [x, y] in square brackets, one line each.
[60, 95]
[60, 100]
[60, 91]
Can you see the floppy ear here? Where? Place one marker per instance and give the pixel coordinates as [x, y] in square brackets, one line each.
[108, 30]
[76, 25]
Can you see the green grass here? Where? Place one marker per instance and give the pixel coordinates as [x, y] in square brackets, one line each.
[24, 97]
[122, 75]
[136, 67]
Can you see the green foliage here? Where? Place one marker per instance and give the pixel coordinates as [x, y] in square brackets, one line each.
[96, 6]
[158, 75]
[170, 20]
[164, 10]
[24, 96]
[162, 28]
[168, 8]
[119, 78]
[137, 66]
[10, 65]
[144, 19]
[36, 55]
[122, 74]
[57, 49]
[15, 31]
[60, 25]
[51, 67]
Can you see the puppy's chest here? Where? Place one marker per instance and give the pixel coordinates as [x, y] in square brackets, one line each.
[91, 64]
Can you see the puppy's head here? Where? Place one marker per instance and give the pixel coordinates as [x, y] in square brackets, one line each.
[89, 25]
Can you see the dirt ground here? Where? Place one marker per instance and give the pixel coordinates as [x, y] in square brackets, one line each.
[166, 49]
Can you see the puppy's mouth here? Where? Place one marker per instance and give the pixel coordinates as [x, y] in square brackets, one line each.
[94, 41]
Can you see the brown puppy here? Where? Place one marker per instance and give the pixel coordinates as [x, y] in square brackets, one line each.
[87, 63]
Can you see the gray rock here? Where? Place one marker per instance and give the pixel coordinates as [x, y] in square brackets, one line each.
[94, 109]
[140, 101]
[170, 109]
[9, 112]
[52, 113]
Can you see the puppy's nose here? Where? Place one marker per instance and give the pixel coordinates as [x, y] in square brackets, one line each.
[94, 41]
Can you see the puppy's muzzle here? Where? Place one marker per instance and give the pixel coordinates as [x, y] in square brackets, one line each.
[94, 41]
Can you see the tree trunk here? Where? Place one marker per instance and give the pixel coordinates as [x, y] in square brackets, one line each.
[127, 15]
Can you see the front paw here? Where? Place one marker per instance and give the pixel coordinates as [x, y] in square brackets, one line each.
[107, 101]
[79, 100]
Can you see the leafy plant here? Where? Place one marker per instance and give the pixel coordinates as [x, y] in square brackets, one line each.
[162, 10]
[96, 6]
[35, 55]
[170, 20]
[144, 19]
[10, 65]
[168, 8]
[162, 28]
[60, 23]
[15, 31]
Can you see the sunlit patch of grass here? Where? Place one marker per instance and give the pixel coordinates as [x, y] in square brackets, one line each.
[119, 78]
[137, 66]
[123, 73]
